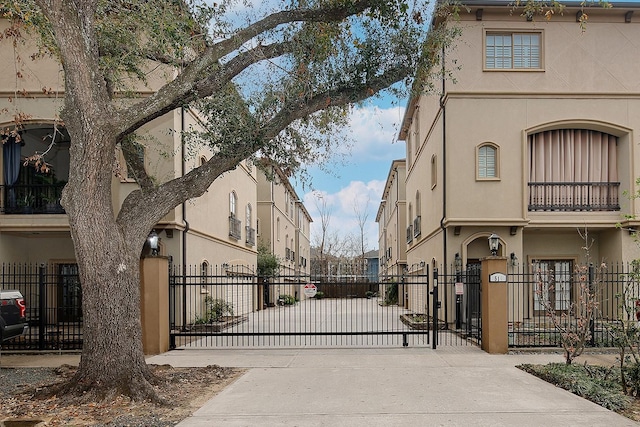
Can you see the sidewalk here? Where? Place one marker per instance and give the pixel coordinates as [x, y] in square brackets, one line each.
[451, 386]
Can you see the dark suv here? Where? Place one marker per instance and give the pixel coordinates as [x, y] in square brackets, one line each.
[13, 321]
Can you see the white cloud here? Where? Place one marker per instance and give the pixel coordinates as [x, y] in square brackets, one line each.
[374, 132]
[342, 207]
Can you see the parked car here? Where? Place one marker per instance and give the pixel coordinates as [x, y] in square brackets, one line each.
[13, 321]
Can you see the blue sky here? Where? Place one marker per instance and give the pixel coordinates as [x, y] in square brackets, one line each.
[359, 177]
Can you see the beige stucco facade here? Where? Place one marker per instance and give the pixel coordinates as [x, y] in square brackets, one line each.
[284, 226]
[392, 221]
[586, 80]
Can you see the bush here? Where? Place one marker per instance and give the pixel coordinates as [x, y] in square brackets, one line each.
[286, 299]
[319, 295]
[216, 309]
[391, 294]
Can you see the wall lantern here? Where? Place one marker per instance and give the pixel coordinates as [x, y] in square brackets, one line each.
[153, 242]
[494, 243]
[458, 262]
[513, 259]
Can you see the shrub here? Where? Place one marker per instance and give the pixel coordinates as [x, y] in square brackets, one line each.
[216, 309]
[391, 294]
[319, 295]
[287, 299]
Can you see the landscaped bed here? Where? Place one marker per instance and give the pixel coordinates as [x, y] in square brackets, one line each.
[599, 384]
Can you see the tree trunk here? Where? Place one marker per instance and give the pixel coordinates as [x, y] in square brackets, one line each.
[112, 360]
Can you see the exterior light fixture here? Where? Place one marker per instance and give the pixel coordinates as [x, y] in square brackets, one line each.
[153, 242]
[458, 262]
[494, 243]
[513, 259]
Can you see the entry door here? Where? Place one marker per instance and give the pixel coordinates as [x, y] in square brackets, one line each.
[553, 283]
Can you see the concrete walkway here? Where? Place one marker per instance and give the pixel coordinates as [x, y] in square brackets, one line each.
[451, 386]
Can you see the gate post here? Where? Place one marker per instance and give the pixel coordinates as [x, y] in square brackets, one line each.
[154, 304]
[42, 306]
[493, 291]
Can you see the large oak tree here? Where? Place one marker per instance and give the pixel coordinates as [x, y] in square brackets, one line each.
[270, 81]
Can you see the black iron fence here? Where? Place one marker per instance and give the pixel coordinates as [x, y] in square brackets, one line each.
[53, 296]
[233, 307]
[535, 290]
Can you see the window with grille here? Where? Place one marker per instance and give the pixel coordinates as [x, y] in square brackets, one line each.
[513, 51]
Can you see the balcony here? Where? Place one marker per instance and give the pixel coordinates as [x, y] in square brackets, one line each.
[410, 234]
[32, 199]
[235, 227]
[573, 196]
[416, 226]
[251, 235]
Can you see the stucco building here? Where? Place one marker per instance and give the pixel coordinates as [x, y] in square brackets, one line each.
[283, 229]
[534, 138]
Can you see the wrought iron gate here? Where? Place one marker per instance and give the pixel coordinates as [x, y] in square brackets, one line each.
[232, 308]
[455, 310]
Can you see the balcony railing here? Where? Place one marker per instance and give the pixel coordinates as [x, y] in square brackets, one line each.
[574, 196]
[235, 227]
[251, 235]
[31, 199]
[410, 234]
[417, 226]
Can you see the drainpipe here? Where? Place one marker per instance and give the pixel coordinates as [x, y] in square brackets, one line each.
[186, 225]
[444, 180]
[397, 248]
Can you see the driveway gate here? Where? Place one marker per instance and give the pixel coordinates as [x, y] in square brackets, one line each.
[234, 308]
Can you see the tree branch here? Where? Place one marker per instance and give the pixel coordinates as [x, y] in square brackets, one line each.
[342, 95]
[195, 80]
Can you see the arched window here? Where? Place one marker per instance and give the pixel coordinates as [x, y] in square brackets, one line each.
[487, 161]
[233, 201]
[204, 272]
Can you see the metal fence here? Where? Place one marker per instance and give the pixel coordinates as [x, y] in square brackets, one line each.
[457, 308]
[558, 283]
[235, 308]
[53, 296]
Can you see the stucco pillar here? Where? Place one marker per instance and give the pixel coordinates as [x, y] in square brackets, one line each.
[154, 300]
[495, 330]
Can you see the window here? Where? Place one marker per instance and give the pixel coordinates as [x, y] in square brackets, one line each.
[204, 272]
[512, 51]
[233, 201]
[249, 215]
[487, 156]
[573, 170]
[554, 279]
